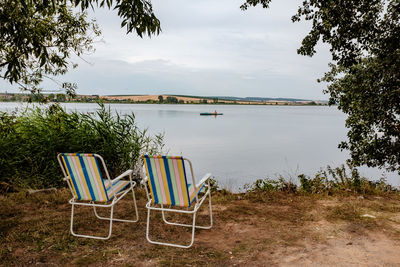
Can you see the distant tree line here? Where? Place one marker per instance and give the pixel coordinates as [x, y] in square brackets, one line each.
[170, 100]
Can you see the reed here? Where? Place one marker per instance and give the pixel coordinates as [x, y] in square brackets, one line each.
[29, 143]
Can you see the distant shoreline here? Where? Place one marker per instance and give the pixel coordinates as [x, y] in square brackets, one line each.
[158, 99]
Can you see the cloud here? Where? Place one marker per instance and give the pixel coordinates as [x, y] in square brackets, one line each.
[163, 76]
[206, 47]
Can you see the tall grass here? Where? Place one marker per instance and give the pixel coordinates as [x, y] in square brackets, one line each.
[29, 143]
[343, 179]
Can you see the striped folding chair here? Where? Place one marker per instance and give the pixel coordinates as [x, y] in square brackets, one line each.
[84, 177]
[168, 190]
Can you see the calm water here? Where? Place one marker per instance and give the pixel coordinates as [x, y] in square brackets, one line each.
[247, 142]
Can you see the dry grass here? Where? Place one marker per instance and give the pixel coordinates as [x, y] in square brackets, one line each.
[262, 229]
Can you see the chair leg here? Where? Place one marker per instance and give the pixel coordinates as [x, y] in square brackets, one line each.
[188, 225]
[210, 209]
[170, 244]
[89, 236]
[134, 201]
[121, 220]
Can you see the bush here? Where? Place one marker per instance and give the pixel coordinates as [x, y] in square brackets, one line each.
[329, 181]
[29, 143]
[342, 179]
[271, 185]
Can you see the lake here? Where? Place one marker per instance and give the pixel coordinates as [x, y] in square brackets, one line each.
[247, 142]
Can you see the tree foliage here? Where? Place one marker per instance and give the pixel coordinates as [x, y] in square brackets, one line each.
[37, 38]
[364, 79]
[171, 100]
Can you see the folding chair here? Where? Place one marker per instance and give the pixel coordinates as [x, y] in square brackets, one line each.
[83, 175]
[168, 184]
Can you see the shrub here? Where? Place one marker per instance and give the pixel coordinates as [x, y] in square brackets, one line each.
[341, 179]
[29, 143]
[271, 185]
[329, 181]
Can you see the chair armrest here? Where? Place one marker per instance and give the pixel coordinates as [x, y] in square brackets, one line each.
[205, 178]
[128, 172]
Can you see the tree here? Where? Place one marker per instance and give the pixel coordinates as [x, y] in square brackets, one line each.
[51, 97]
[37, 38]
[160, 98]
[36, 97]
[60, 98]
[364, 77]
[172, 100]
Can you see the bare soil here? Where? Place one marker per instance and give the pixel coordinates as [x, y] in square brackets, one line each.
[269, 229]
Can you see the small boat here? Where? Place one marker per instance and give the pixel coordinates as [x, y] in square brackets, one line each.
[210, 114]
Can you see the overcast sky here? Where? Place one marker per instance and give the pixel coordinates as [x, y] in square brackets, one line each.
[208, 48]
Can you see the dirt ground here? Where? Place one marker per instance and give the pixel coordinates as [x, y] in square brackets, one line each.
[269, 229]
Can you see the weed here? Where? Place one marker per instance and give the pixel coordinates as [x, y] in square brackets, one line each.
[329, 181]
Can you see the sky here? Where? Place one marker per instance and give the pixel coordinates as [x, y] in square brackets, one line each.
[206, 48]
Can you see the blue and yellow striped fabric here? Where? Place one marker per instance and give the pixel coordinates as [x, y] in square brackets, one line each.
[86, 179]
[168, 182]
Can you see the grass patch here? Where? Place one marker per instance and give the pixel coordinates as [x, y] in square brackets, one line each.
[347, 212]
[253, 228]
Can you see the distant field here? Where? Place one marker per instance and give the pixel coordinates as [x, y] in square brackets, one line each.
[152, 97]
[188, 99]
[182, 99]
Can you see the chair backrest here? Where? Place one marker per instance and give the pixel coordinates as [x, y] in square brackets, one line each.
[167, 180]
[84, 175]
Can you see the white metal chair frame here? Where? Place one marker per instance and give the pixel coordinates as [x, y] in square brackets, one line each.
[206, 181]
[114, 201]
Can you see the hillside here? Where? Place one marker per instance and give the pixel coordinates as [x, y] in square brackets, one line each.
[186, 99]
